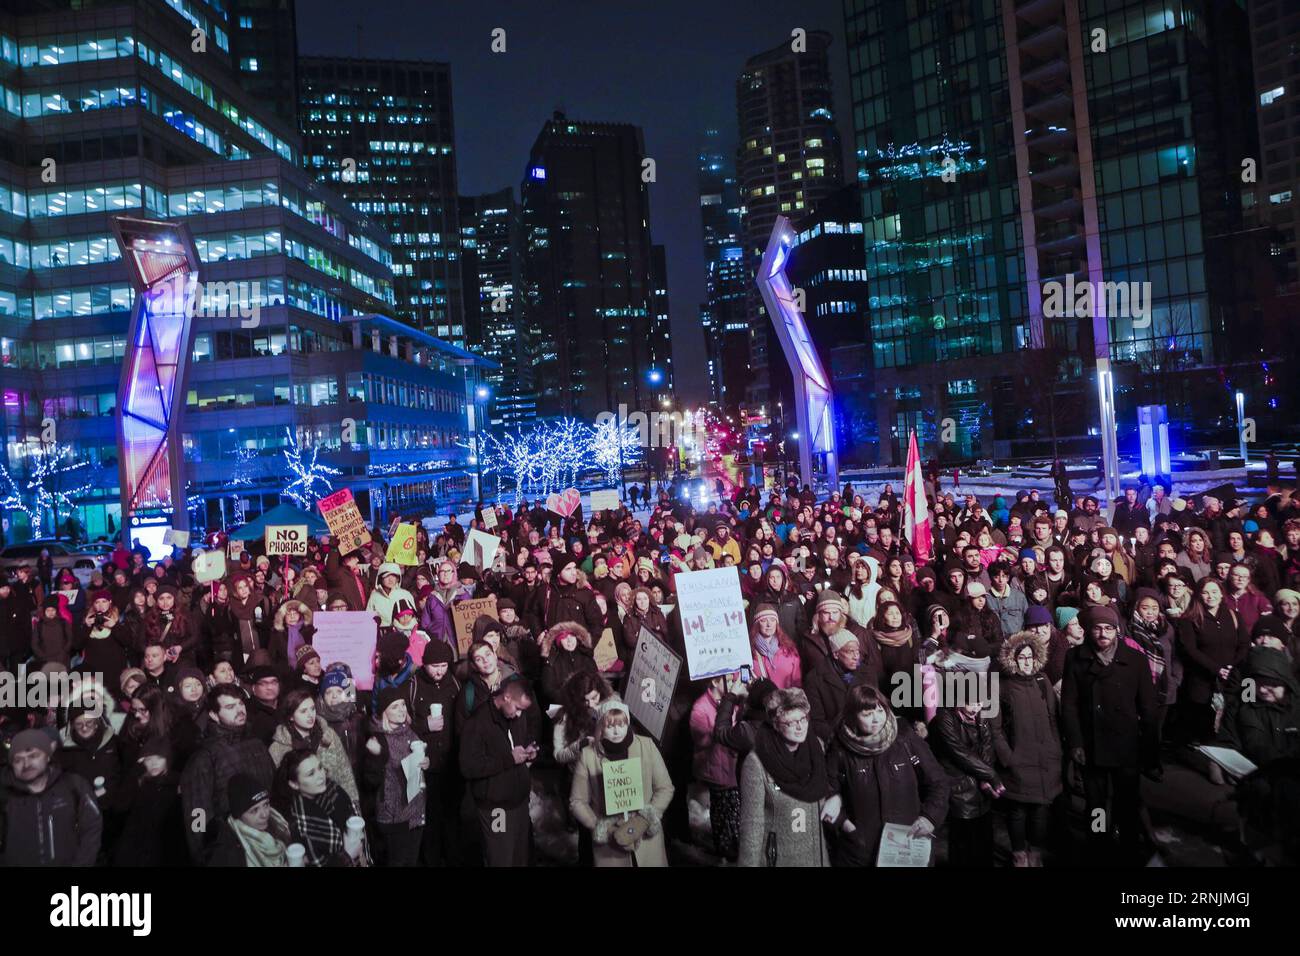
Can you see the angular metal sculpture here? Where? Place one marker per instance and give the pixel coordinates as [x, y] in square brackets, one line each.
[151, 394]
[813, 400]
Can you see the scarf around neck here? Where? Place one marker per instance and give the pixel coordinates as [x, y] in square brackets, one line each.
[870, 746]
[767, 646]
[801, 773]
[261, 847]
[896, 638]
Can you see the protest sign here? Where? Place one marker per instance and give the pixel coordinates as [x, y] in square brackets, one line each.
[564, 503]
[481, 548]
[606, 651]
[233, 550]
[651, 682]
[624, 790]
[177, 539]
[604, 500]
[346, 524]
[209, 566]
[713, 622]
[401, 550]
[347, 636]
[286, 539]
[899, 849]
[489, 517]
[465, 613]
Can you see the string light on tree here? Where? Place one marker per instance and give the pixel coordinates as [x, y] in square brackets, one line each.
[310, 477]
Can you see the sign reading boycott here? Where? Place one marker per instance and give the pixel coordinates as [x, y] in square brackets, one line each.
[286, 539]
[651, 682]
[465, 613]
[604, 500]
[713, 622]
[347, 636]
[402, 549]
[624, 792]
[345, 521]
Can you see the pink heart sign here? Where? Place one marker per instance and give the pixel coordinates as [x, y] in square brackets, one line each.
[565, 503]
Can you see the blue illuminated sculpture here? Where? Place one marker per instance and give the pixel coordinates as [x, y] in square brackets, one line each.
[817, 453]
[151, 394]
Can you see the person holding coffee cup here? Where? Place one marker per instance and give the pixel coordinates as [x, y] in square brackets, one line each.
[320, 813]
[431, 701]
[392, 740]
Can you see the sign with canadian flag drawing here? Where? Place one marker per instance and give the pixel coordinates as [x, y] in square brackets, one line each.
[713, 622]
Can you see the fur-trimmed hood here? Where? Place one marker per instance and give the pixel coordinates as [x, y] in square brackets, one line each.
[1012, 645]
[303, 609]
[552, 634]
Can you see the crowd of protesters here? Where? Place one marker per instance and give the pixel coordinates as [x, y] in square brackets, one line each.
[216, 735]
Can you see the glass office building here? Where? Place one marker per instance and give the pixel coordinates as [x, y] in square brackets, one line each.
[109, 110]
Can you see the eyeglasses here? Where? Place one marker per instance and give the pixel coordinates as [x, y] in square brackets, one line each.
[794, 722]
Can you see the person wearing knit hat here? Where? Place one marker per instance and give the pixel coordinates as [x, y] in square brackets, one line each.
[388, 591]
[35, 831]
[253, 834]
[303, 664]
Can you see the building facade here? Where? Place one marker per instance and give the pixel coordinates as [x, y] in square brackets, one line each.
[588, 270]
[722, 314]
[380, 133]
[107, 111]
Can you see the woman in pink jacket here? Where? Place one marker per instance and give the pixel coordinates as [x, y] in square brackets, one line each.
[715, 766]
[775, 656]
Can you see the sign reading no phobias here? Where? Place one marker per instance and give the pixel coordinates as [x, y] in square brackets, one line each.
[286, 539]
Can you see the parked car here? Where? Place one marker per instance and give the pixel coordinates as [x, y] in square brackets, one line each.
[81, 563]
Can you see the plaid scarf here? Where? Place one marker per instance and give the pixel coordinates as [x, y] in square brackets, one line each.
[320, 822]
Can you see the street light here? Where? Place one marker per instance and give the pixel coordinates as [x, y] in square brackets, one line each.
[1241, 428]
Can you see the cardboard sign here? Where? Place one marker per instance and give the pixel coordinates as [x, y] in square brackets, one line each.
[209, 566]
[481, 548]
[346, 524]
[624, 788]
[564, 503]
[286, 539]
[605, 651]
[489, 516]
[349, 637]
[605, 500]
[401, 550]
[177, 539]
[233, 550]
[713, 622]
[651, 682]
[465, 613]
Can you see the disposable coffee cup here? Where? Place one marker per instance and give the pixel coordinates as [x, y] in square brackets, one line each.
[435, 710]
[296, 854]
[417, 748]
[356, 826]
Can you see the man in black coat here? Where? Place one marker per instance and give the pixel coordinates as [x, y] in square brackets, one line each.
[566, 601]
[1109, 714]
[496, 751]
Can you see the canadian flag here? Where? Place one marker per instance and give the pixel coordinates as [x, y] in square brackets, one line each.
[916, 510]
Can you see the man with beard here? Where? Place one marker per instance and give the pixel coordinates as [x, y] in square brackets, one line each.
[566, 601]
[1111, 725]
[50, 818]
[831, 616]
[227, 749]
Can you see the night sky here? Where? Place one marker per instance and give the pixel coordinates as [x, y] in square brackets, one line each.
[668, 66]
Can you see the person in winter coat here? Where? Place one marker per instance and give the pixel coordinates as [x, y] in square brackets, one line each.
[345, 575]
[777, 592]
[52, 635]
[854, 661]
[642, 613]
[880, 772]
[568, 601]
[302, 728]
[783, 778]
[89, 748]
[102, 639]
[431, 700]
[227, 750]
[776, 657]
[169, 624]
[1150, 632]
[962, 738]
[976, 630]
[1266, 728]
[387, 593]
[714, 766]
[830, 617]
[336, 702]
[392, 740]
[253, 833]
[47, 817]
[251, 612]
[900, 647]
[1027, 741]
[861, 593]
[1212, 639]
[148, 804]
[1108, 712]
[497, 749]
[1007, 602]
[614, 740]
[317, 811]
[567, 647]
[292, 628]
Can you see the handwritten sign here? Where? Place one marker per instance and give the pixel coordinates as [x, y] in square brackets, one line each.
[651, 682]
[713, 622]
[209, 566]
[346, 524]
[899, 849]
[401, 550]
[604, 500]
[465, 613]
[624, 788]
[489, 517]
[605, 651]
[349, 637]
[290, 539]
